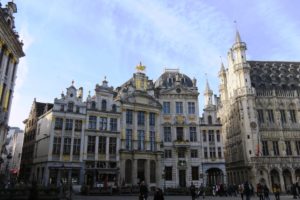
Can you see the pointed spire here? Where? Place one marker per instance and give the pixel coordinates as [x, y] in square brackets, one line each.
[222, 67]
[104, 82]
[237, 37]
[207, 88]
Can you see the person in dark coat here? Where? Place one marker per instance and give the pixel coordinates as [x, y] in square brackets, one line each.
[158, 195]
[193, 191]
[266, 192]
[143, 191]
[247, 190]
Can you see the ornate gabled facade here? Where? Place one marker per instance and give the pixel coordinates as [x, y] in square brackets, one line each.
[179, 128]
[37, 110]
[259, 111]
[10, 53]
[102, 137]
[58, 150]
[213, 163]
[140, 150]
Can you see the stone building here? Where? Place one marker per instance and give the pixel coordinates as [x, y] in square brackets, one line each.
[58, 151]
[37, 110]
[259, 111]
[102, 137]
[10, 53]
[213, 162]
[140, 153]
[179, 128]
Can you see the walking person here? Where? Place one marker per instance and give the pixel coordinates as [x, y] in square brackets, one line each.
[193, 191]
[259, 190]
[276, 190]
[158, 195]
[247, 190]
[241, 191]
[266, 192]
[201, 191]
[143, 191]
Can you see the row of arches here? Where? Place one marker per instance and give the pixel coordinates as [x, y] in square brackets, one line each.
[140, 172]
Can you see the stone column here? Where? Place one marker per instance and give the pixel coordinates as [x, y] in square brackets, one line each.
[134, 171]
[281, 181]
[147, 171]
[96, 147]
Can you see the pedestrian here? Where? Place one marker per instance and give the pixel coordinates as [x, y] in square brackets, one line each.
[201, 191]
[143, 191]
[294, 191]
[214, 190]
[158, 195]
[193, 191]
[247, 190]
[276, 190]
[266, 192]
[241, 191]
[259, 190]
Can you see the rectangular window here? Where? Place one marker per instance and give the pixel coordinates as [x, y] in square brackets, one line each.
[205, 152]
[193, 134]
[265, 149]
[78, 125]
[211, 136]
[67, 146]
[270, 116]
[92, 122]
[141, 118]
[152, 141]
[179, 108]
[102, 145]
[212, 152]
[168, 153]
[113, 124]
[128, 139]
[166, 107]
[179, 133]
[218, 136]
[69, 124]
[76, 146]
[293, 116]
[152, 119]
[167, 134]
[219, 152]
[181, 153]
[297, 144]
[282, 116]
[168, 173]
[112, 145]
[56, 145]
[103, 123]
[191, 107]
[288, 148]
[194, 153]
[260, 115]
[91, 144]
[141, 140]
[129, 116]
[204, 135]
[275, 148]
[58, 123]
[195, 173]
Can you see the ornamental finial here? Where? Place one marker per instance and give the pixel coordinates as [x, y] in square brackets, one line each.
[140, 67]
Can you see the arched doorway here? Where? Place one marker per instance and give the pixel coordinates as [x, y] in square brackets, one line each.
[287, 178]
[214, 176]
[275, 179]
[297, 175]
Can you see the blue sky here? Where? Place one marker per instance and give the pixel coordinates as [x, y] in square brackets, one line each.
[87, 40]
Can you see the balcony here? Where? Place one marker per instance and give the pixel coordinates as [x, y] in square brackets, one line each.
[181, 143]
[275, 160]
[181, 164]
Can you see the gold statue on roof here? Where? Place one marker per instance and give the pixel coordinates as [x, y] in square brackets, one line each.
[140, 67]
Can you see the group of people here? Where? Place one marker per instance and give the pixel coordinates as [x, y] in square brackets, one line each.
[158, 195]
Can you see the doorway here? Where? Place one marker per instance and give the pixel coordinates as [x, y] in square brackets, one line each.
[182, 181]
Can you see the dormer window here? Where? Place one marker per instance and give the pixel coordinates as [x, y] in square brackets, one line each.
[103, 105]
[70, 106]
[114, 108]
[62, 107]
[209, 119]
[93, 106]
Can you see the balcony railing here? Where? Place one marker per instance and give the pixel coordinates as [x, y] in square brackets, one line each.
[181, 143]
[275, 160]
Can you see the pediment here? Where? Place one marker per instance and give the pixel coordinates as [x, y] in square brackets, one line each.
[179, 90]
[143, 99]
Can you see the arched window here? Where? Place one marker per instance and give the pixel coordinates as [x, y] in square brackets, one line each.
[93, 106]
[114, 108]
[70, 106]
[209, 119]
[103, 105]
[128, 171]
[152, 171]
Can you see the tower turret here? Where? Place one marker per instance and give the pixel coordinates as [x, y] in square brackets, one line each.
[208, 93]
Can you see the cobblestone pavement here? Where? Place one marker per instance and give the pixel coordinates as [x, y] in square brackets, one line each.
[78, 197]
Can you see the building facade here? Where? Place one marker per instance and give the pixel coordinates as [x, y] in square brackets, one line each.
[213, 162]
[140, 150]
[259, 111]
[179, 127]
[10, 53]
